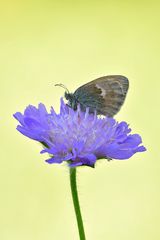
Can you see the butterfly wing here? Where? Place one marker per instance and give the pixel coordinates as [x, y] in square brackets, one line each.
[106, 95]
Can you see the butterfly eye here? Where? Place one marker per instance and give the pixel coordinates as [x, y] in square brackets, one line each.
[66, 95]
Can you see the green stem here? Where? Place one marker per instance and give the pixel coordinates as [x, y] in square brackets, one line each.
[76, 203]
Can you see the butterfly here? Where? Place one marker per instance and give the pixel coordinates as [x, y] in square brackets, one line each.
[105, 95]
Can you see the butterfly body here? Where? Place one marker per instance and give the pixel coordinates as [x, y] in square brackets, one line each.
[106, 95]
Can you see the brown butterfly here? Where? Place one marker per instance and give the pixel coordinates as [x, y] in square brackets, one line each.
[106, 95]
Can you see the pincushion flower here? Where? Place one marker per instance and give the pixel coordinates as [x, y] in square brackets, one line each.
[77, 137]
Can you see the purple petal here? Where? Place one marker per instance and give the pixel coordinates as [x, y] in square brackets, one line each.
[140, 149]
[114, 151]
[132, 141]
[31, 123]
[88, 159]
[19, 117]
[33, 135]
[54, 160]
[42, 109]
[75, 164]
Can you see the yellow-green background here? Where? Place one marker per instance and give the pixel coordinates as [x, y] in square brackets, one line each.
[73, 42]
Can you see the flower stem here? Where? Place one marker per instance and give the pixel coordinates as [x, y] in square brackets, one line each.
[76, 203]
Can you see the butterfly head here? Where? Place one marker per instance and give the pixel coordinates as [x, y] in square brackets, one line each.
[72, 101]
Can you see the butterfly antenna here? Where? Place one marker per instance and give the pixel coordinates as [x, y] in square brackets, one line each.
[63, 86]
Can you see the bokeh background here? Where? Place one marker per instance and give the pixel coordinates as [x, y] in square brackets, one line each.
[72, 42]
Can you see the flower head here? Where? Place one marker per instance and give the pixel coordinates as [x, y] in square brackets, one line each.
[78, 137]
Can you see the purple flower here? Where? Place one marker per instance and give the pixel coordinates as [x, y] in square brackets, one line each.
[78, 137]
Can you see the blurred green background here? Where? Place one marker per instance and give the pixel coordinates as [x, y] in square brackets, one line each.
[73, 42]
